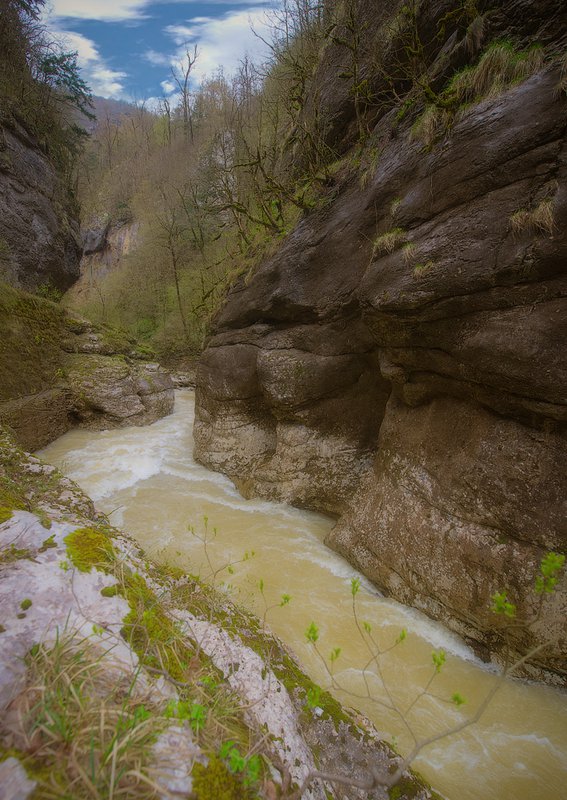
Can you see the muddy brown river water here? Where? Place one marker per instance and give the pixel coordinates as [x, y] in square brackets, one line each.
[148, 482]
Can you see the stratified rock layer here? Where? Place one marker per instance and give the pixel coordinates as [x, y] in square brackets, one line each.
[58, 371]
[455, 486]
[40, 246]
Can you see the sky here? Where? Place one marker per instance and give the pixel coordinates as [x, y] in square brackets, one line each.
[126, 48]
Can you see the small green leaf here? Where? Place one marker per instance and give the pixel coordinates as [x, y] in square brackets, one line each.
[286, 598]
[312, 633]
[335, 653]
[501, 605]
[550, 567]
[354, 586]
[438, 657]
[458, 699]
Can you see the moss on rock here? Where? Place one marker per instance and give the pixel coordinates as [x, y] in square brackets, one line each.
[215, 782]
[90, 547]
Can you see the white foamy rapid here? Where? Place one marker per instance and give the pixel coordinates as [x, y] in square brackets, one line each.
[147, 480]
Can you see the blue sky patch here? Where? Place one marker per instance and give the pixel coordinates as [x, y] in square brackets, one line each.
[127, 47]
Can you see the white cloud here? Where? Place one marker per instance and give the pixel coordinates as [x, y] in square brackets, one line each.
[222, 41]
[157, 59]
[103, 80]
[106, 10]
[168, 87]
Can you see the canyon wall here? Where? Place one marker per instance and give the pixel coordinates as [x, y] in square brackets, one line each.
[40, 245]
[400, 361]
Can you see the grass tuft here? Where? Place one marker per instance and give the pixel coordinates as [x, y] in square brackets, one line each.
[536, 220]
[389, 241]
[81, 733]
[500, 67]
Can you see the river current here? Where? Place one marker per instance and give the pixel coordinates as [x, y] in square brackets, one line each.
[149, 484]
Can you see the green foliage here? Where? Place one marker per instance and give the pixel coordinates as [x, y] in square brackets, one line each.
[40, 83]
[501, 605]
[25, 604]
[550, 567]
[458, 699]
[335, 653]
[312, 633]
[438, 657]
[248, 767]
[194, 713]
[314, 694]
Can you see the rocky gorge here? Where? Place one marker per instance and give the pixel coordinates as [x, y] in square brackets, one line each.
[389, 351]
[399, 361]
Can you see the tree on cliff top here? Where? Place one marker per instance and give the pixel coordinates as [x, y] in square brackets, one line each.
[40, 83]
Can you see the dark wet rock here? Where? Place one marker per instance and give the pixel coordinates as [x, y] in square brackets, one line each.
[455, 486]
[40, 246]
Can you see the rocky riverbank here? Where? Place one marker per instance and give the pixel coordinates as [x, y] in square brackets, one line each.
[148, 666]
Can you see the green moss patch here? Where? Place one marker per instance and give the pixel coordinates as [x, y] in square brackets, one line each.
[89, 547]
[31, 329]
[5, 514]
[151, 633]
[215, 782]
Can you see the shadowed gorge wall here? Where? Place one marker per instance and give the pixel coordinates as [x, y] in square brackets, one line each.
[400, 360]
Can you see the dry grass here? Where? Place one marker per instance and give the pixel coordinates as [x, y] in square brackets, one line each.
[475, 34]
[409, 252]
[87, 728]
[421, 269]
[500, 67]
[561, 87]
[389, 241]
[431, 124]
[538, 219]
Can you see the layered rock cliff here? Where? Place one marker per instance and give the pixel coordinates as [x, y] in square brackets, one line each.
[40, 245]
[58, 371]
[400, 361]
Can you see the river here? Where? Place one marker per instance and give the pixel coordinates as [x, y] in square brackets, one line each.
[149, 484]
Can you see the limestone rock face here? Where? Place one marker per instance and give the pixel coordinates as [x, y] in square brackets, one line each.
[39, 233]
[418, 389]
[108, 391]
[57, 371]
[104, 245]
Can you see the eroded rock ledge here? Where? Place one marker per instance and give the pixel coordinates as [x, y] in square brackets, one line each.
[58, 371]
[421, 392]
